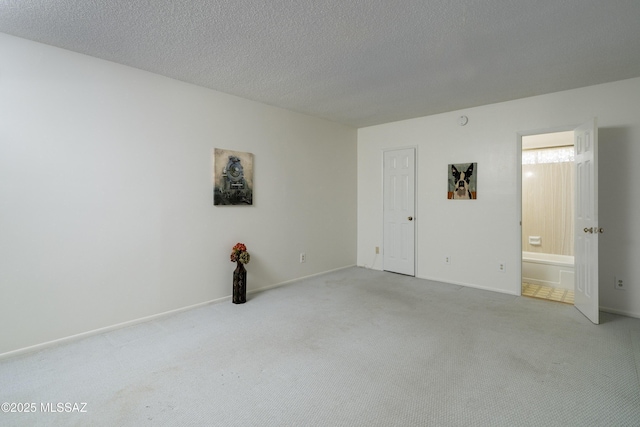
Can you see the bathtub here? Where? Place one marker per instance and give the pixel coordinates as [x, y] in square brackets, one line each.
[548, 269]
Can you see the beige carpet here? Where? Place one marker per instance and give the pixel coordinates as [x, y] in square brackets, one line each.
[547, 293]
[349, 348]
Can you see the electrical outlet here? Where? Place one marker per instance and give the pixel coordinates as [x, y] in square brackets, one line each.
[619, 283]
[502, 267]
[303, 257]
[377, 249]
[447, 259]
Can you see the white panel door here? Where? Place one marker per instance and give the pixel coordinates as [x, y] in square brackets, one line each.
[399, 211]
[586, 225]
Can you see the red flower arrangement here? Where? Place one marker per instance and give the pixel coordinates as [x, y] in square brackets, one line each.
[239, 254]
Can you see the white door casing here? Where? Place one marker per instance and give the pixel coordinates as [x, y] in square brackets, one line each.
[399, 211]
[587, 230]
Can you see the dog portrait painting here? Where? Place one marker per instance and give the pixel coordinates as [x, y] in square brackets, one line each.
[462, 181]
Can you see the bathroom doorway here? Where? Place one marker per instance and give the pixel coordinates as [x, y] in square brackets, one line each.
[548, 212]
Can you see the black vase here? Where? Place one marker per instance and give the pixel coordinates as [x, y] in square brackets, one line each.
[240, 284]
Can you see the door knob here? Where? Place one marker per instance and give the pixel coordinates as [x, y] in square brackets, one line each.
[589, 230]
[600, 230]
[410, 218]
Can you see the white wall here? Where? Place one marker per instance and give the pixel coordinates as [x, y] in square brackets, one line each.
[106, 211]
[480, 234]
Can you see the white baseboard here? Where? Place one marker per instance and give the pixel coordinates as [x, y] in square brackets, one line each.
[620, 312]
[277, 285]
[470, 285]
[92, 332]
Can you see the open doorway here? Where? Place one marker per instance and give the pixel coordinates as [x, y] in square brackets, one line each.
[548, 214]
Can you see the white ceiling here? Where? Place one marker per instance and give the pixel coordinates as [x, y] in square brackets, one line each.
[358, 62]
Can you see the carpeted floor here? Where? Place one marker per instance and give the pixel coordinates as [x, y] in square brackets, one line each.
[547, 293]
[354, 347]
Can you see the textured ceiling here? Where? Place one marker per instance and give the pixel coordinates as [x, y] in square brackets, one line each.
[358, 62]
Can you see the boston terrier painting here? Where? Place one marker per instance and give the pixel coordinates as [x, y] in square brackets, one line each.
[461, 188]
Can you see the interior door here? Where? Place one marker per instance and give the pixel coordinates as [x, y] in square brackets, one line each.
[587, 230]
[399, 211]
